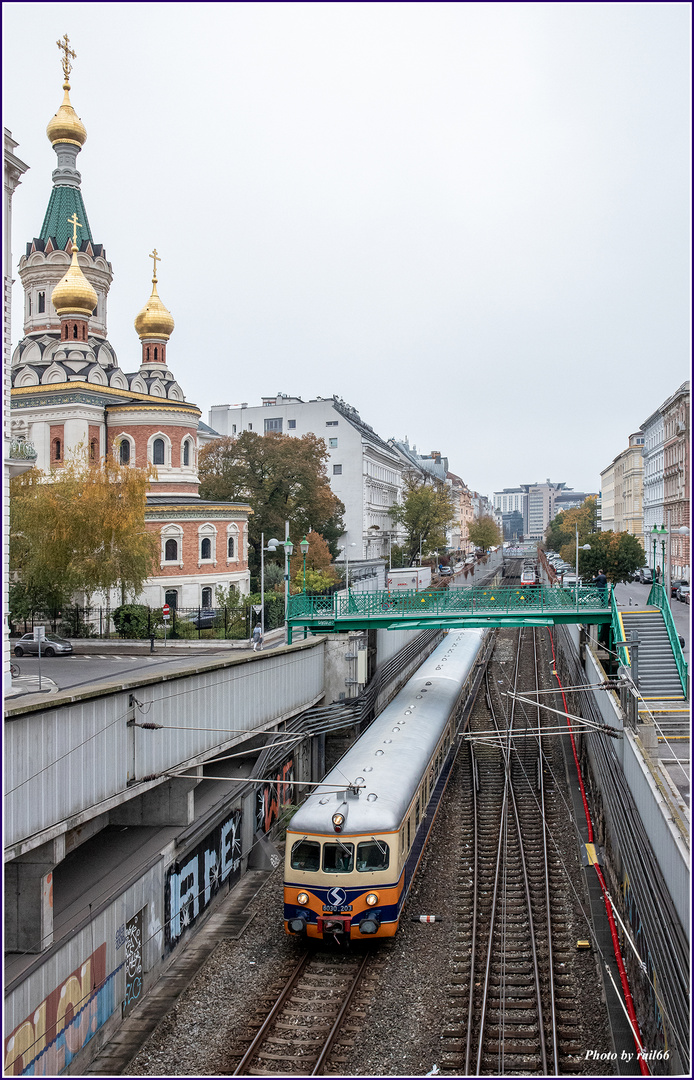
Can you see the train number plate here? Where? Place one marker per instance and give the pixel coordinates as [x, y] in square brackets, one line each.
[336, 910]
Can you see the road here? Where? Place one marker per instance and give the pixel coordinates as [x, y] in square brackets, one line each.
[79, 670]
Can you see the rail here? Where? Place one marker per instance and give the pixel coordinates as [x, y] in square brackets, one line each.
[450, 602]
[657, 598]
[617, 628]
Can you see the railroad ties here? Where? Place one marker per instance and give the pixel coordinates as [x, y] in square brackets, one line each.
[515, 1002]
[311, 1026]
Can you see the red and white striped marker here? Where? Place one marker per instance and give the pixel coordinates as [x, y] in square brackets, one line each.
[427, 918]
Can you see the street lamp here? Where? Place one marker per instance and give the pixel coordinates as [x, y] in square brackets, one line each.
[344, 549]
[272, 546]
[585, 547]
[663, 532]
[304, 551]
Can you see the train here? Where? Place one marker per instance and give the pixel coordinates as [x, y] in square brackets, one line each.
[353, 847]
[529, 576]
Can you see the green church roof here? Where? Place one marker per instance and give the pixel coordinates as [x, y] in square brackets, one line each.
[63, 203]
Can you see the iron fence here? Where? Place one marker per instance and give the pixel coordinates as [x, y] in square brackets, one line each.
[141, 621]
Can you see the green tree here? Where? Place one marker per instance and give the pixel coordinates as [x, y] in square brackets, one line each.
[426, 514]
[320, 572]
[618, 554]
[81, 528]
[282, 478]
[562, 528]
[484, 532]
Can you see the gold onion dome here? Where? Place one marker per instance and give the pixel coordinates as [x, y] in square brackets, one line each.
[73, 295]
[66, 125]
[155, 320]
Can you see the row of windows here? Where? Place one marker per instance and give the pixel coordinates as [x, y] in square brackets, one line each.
[157, 452]
[339, 858]
[171, 549]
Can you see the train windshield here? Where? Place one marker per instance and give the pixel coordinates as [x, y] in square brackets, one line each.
[338, 858]
[372, 855]
[306, 855]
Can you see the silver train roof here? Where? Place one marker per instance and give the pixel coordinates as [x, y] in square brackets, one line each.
[390, 756]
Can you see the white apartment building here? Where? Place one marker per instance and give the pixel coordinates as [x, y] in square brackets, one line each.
[653, 429]
[364, 472]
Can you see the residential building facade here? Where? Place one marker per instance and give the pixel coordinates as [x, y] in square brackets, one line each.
[364, 471]
[676, 478]
[628, 487]
[14, 459]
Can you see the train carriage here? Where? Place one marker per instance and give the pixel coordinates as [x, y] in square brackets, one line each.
[353, 847]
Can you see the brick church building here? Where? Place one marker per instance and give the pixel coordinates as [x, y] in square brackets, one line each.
[69, 391]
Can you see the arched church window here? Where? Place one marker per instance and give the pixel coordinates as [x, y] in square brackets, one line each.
[74, 331]
[155, 353]
[207, 597]
[158, 451]
[230, 548]
[92, 450]
[171, 551]
[57, 448]
[186, 453]
[125, 452]
[42, 302]
[84, 331]
[206, 548]
[148, 352]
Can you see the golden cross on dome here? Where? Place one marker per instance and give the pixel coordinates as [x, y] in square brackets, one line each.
[75, 225]
[64, 45]
[157, 258]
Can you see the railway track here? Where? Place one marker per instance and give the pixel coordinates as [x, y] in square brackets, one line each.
[515, 1005]
[311, 1026]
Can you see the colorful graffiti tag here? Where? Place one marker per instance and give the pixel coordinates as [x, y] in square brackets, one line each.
[133, 962]
[50, 1037]
[271, 797]
[198, 875]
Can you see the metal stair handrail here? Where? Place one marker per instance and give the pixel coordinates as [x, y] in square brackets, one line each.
[657, 598]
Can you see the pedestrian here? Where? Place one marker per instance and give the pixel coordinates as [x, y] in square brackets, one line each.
[601, 582]
[257, 638]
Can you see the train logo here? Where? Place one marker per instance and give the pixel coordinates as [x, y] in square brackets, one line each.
[337, 897]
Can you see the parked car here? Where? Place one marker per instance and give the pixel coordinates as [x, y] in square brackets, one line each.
[52, 645]
[445, 571]
[203, 619]
[646, 575]
[683, 592]
[571, 579]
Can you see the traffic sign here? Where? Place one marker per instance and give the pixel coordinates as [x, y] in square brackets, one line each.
[39, 633]
[165, 610]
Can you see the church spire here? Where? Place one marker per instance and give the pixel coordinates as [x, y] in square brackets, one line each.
[67, 135]
[154, 323]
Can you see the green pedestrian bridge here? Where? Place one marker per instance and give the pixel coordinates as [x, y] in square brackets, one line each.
[449, 609]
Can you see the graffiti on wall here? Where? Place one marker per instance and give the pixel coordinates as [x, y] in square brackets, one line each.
[192, 882]
[272, 796]
[133, 962]
[50, 1037]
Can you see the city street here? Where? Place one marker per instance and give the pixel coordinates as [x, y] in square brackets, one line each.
[79, 670]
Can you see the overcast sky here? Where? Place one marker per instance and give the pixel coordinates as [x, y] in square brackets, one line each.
[470, 221]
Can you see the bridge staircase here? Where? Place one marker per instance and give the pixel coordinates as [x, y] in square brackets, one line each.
[660, 680]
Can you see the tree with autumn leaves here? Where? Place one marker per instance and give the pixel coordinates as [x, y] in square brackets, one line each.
[283, 478]
[618, 554]
[79, 528]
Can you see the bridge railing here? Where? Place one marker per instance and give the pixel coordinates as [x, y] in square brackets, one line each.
[447, 602]
[657, 598]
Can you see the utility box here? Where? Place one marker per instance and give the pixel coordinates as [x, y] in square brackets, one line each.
[411, 577]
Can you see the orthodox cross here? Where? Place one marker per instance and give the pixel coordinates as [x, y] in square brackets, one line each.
[157, 258]
[64, 45]
[75, 225]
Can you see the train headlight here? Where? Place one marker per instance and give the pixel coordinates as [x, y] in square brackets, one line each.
[302, 898]
[372, 899]
[338, 822]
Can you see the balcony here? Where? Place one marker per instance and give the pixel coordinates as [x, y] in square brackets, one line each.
[22, 456]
